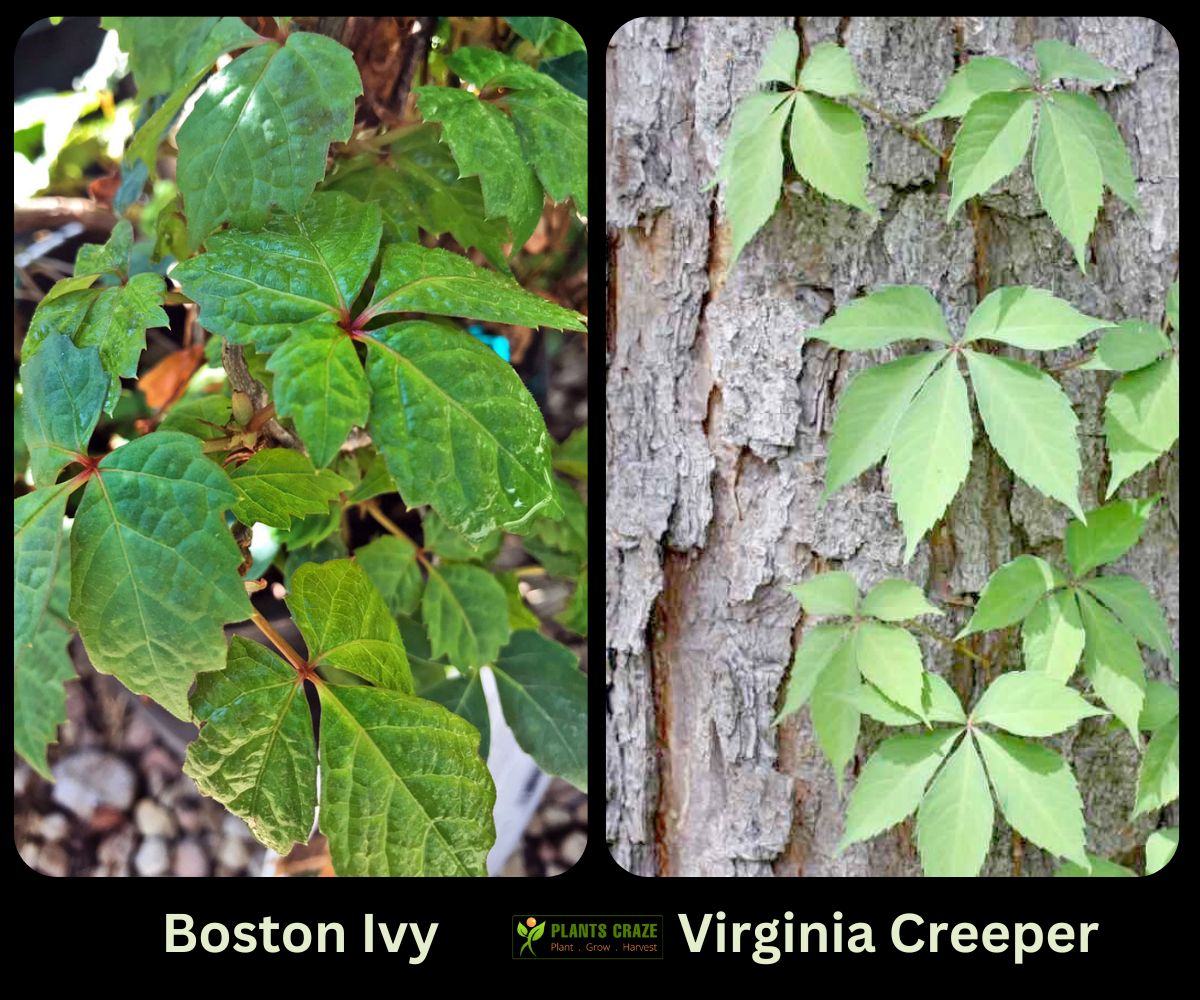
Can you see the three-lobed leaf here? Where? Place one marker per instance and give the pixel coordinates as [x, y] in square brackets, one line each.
[277, 484]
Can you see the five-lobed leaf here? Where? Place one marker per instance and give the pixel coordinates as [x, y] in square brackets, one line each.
[1068, 176]
[1031, 703]
[991, 142]
[954, 821]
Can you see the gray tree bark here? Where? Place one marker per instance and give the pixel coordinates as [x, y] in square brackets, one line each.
[719, 412]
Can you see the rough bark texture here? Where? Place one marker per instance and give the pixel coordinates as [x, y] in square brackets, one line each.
[719, 413]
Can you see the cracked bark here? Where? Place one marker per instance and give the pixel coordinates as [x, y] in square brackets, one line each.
[719, 412]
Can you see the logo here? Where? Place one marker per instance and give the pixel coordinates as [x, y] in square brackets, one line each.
[530, 930]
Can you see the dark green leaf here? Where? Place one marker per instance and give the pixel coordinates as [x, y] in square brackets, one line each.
[391, 564]
[466, 612]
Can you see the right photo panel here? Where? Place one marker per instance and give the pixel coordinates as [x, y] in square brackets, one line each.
[892, 406]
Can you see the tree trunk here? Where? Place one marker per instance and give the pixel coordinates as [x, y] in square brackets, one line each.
[719, 413]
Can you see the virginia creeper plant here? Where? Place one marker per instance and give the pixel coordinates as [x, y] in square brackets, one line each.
[298, 238]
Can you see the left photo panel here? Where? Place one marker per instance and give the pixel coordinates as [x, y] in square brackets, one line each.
[300, 446]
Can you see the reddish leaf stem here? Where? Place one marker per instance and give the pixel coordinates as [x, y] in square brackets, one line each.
[299, 664]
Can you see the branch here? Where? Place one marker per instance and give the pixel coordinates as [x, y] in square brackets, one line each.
[299, 664]
[901, 126]
[372, 508]
[50, 213]
[240, 378]
[959, 646]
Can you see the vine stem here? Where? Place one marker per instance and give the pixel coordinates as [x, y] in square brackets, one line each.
[299, 664]
[372, 508]
[901, 126]
[960, 647]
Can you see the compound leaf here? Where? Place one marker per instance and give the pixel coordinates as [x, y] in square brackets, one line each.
[1052, 636]
[1030, 703]
[831, 593]
[1068, 176]
[817, 648]
[829, 70]
[1028, 317]
[1113, 663]
[900, 312]
[1010, 594]
[982, 75]
[1059, 61]
[897, 600]
[991, 142]
[1110, 532]
[1141, 418]
[830, 150]
[277, 483]
[465, 610]
[954, 821]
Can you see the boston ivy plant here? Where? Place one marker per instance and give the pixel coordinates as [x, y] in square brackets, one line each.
[352, 385]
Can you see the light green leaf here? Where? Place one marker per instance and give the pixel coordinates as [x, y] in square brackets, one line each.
[1137, 609]
[938, 700]
[111, 258]
[1113, 663]
[930, 453]
[277, 483]
[892, 783]
[942, 704]
[464, 696]
[1052, 636]
[954, 821]
[257, 287]
[1059, 61]
[897, 600]
[1030, 423]
[1141, 418]
[982, 75]
[830, 150]
[829, 70]
[1101, 868]
[154, 567]
[1110, 532]
[899, 312]
[1010, 594]
[1037, 794]
[1029, 703]
[834, 709]
[63, 391]
[320, 385]
[1068, 176]
[1158, 775]
[1160, 849]
[817, 648]
[255, 753]
[873, 703]
[544, 696]
[266, 119]
[1110, 149]
[1028, 317]
[391, 565]
[346, 624]
[890, 658]
[466, 613]
[404, 791]
[1129, 345]
[831, 593]
[752, 165]
[1160, 707]
[991, 142]
[868, 411]
[779, 62]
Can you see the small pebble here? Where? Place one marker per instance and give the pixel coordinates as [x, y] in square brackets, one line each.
[29, 852]
[53, 827]
[152, 858]
[159, 767]
[115, 850]
[233, 853]
[191, 860]
[139, 734]
[190, 816]
[91, 778]
[53, 861]
[107, 818]
[555, 816]
[573, 846]
[153, 820]
[22, 774]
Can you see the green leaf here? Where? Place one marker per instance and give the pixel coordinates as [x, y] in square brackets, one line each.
[1160, 849]
[1030, 423]
[834, 709]
[413, 278]
[314, 530]
[1028, 317]
[320, 385]
[256, 287]
[752, 165]
[443, 540]
[954, 821]
[466, 612]
[829, 70]
[404, 791]
[1101, 868]
[574, 617]
[982, 75]
[464, 696]
[890, 658]
[1141, 418]
[1068, 176]
[154, 567]
[1110, 149]
[255, 753]
[1010, 594]
[204, 417]
[930, 453]
[899, 312]
[300, 96]
[830, 150]
[868, 411]
[571, 455]
[779, 62]
[346, 624]
[375, 480]
[1137, 610]
[41, 630]
[457, 428]
[941, 702]
[830, 593]
[892, 783]
[544, 696]
[485, 145]
[550, 34]
[817, 648]
[1160, 707]
[938, 700]
[882, 709]
[519, 615]
[1059, 61]
[991, 142]
[1037, 794]
[1029, 703]
[164, 52]
[561, 546]
[1052, 636]
[63, 390]
[1110, 532]
[1129, 345]
[1113, 664]
[1158, 776]
[897, 600]
[111, 258]
[277, 483]
[391, 565]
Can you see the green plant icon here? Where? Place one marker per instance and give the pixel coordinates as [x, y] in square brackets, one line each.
[531, 930]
